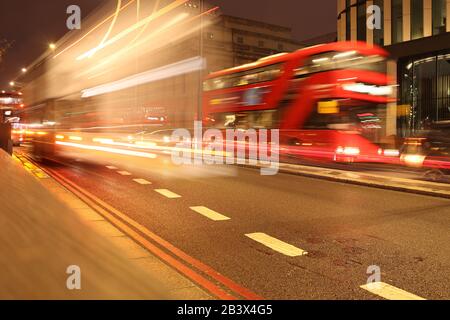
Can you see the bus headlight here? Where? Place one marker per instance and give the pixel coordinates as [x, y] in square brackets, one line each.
[348, 151]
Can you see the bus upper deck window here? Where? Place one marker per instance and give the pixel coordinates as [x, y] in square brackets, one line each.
[342, 60]
[261, 74]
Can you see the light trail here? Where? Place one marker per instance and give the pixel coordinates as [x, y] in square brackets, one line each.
[106, 149]
[92, 30]
[145, 40]
[134, 27]
[172, 70]
[111, 26]
[155, 8]
[117, 55]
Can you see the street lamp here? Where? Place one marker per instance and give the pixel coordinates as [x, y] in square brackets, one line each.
[24, 70]
[16, 84]
[52, 46]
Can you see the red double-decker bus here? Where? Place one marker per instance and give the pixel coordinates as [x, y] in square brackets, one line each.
[329, 101]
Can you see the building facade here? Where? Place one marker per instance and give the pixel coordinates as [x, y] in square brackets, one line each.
[231, 41]
[55, 83]
[417, 34]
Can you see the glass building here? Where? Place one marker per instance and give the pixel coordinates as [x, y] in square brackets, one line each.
[417, 34]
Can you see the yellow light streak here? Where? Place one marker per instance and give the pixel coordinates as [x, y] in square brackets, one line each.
[126, 49]
[134, 27]
[92, 30]
[143, 41]
[111, 26]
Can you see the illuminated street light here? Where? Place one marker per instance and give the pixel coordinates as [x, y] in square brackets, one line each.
[24, 70]
[16, 84]
[52, 46]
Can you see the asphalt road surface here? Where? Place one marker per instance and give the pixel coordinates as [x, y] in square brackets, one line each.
[343, 228]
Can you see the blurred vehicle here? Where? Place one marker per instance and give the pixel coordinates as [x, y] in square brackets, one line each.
[329, 101]
[430, 151]
[18, 134]
[158, 137]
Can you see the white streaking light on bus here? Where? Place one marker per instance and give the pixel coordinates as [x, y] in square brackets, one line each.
[171, 70]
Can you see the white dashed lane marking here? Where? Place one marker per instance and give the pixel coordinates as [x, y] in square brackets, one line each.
[211, 214]
[277, 245]
[124, 173]
[112, 167]
[142, 181]
[167, 193]
[389, 292]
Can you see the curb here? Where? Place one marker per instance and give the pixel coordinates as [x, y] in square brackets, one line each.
[333, 175]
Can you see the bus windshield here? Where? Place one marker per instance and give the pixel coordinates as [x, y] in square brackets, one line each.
[342, 60]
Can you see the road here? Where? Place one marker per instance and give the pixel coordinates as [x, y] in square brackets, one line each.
[343, 228]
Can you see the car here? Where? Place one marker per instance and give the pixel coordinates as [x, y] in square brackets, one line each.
[430, 151]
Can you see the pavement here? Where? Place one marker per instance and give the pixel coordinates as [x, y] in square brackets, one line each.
[154, 279]
[287, 236]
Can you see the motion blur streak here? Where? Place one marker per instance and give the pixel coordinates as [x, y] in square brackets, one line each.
[133, 45]
[172, 70]
[155, 147]
[134, 27]
[111, 26]
[117, 55]
[146, 25]
[106, 149]
[92, 30]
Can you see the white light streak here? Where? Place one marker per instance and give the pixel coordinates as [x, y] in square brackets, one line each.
[172, 70]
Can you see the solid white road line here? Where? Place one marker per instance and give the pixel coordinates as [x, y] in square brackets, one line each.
[211, 214]
[124, 173]
[112, 167]
[389, 292]
[167, 193]
[277, 245]
[142, 181]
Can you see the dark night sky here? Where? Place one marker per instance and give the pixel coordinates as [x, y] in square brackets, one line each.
[33, 24]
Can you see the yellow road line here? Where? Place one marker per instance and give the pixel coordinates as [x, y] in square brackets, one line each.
[211, 214]
[167, 193]
[389, 292]
[277, 245]
[30, 167]
[41, 175]
[142, 181]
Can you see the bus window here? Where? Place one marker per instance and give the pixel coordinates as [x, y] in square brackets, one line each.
[342, 60]
[265, 119]
[365, 119]
[262, 74]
